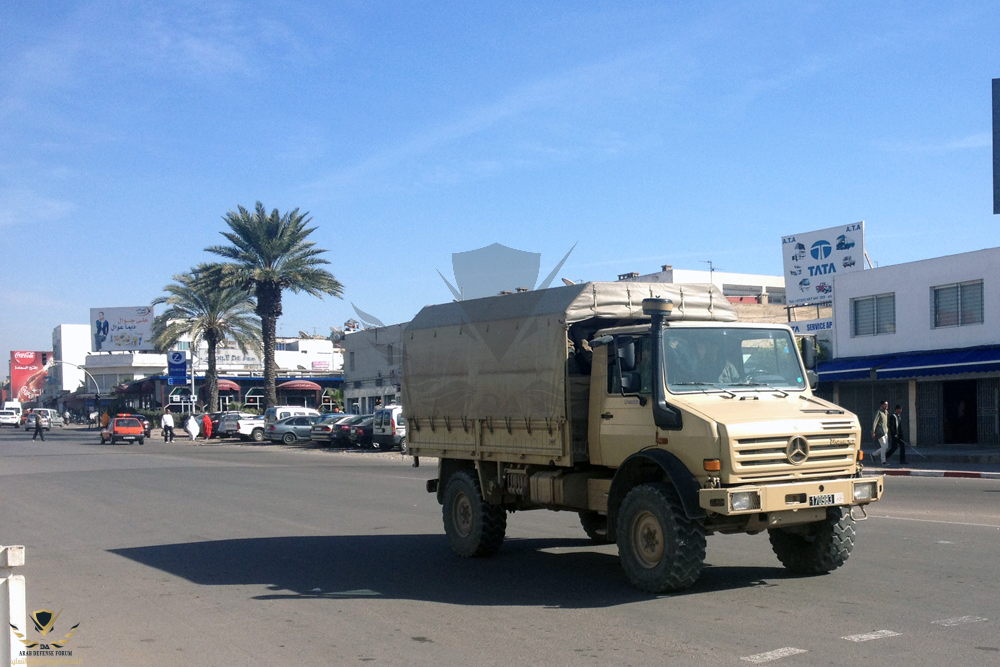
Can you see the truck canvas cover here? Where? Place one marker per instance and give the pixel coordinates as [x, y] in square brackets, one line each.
[507, 357]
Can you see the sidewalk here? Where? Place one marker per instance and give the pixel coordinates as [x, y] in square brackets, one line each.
[941, 461]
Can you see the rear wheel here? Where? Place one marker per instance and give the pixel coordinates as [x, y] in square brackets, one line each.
[660, 548]
[257, 435]
[288, 438]
[816, 548]
[142, 441]
[596, 526]
[402, 444]
[474, 527]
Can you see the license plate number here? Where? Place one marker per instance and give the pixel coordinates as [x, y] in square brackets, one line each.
[128, 437]
[826, 499]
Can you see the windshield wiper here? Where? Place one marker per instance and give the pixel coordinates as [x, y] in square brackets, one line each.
[748, 384]
[692, 384]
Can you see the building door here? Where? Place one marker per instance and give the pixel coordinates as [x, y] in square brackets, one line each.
[960, 412]
[988, 411]
[930, 424]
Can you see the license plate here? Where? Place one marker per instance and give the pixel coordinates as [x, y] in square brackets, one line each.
[826, 499]
[128, 437]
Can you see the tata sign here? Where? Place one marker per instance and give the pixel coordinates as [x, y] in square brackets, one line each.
[813, 259]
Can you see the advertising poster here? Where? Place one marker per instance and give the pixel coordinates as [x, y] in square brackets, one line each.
[121, 329]
[812, 260]
[28, 372]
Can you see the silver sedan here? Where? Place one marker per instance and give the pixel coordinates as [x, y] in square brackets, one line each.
[290, 429]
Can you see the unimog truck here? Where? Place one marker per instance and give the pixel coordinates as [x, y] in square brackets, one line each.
[648, 409]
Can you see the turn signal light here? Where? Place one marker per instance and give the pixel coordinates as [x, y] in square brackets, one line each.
[713, 465]
[861, 455]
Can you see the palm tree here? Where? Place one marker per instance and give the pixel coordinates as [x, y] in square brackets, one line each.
[270, 254]
[202, 310]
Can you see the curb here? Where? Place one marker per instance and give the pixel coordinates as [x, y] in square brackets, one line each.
[933, 473]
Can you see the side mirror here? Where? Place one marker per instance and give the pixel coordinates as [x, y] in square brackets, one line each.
[626, 354]
[813, 378]
[809, 353]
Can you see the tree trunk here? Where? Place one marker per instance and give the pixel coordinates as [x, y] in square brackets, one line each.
[212, 374]
[269, 309]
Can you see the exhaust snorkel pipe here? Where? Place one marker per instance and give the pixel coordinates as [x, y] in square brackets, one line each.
[665, 416]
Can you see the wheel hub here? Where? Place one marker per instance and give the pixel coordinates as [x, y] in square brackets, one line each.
[647, 539]
[463, 514]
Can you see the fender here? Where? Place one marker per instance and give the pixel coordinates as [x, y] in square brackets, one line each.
[652, 465]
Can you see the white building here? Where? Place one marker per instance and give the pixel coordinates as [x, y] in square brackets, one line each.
[373, 368]
[924, 335]
[70, 344]
[771, 288]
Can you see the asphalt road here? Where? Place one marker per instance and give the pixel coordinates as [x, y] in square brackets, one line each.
[186, 554]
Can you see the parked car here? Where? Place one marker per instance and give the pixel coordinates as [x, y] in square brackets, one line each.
[9, 418]
[227, 424]
[251, 428]
[389, 428]
[361, 432]
[29, 421]
[323, 429]
[290, 429]
[126, 428]
[278, 412]
[341, 435]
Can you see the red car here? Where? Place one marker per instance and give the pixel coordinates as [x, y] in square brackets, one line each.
[124, 428]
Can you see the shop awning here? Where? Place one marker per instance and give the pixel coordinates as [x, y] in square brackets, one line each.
[300, 385]
[228, 385]
[836, 370]
[953, 362]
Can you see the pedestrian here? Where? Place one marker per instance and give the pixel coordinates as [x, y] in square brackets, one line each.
[206, 423]
[191, 426]
[896, 435]
[880, 431]
[105, 419]
[167, 424]
[38, 427]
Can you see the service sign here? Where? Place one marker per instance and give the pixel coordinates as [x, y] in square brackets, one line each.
[121, 329]
[813, 259]
[28, 372]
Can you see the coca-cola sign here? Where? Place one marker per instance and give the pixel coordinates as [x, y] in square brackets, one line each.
[28, 372]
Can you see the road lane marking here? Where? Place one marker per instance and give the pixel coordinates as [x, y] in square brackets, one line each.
[952, 622]
[774, 655]
[868, 636]
[953, 523]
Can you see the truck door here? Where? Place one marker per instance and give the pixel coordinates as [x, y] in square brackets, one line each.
[621, 424]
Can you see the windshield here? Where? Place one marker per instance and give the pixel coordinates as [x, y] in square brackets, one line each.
[730, 360]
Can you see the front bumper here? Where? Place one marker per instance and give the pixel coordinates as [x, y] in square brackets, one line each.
[751, 498]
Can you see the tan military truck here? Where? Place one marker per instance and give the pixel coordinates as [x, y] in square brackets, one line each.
[648, 409]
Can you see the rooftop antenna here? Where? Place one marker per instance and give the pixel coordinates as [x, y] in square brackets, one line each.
[711, 270]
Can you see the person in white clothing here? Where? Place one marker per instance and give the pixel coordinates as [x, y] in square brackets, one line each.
[191, 426]
[167, 424]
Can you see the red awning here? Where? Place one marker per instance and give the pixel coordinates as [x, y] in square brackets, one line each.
[301, 385]
[228, 385]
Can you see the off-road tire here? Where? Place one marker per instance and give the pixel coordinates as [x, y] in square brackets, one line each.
[473, 526]
[257, 435]
[816, 548]
[288, 438]
[596, 526]
[660, 548]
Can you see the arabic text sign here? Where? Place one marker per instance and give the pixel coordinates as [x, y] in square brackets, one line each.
[121, 329]
[813, 259]
[28, 372]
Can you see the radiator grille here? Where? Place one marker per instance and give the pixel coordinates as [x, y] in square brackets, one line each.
[766, 459]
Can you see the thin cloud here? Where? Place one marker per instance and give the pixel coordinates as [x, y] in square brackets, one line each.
[20, 206]
[973, 141]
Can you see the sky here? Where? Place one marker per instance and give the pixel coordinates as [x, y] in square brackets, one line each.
[637, 134]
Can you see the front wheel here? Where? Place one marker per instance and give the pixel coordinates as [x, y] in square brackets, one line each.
[288, 438]
[660, 548]
[474, 527]
[816, 548]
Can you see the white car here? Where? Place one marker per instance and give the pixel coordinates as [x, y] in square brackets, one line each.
[251, 428]
[389, 428]
[9, 418]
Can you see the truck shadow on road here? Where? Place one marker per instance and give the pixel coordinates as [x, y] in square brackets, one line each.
[565, 573]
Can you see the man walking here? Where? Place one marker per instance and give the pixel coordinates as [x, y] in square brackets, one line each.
[880, 431]
[38, 427]
[167, 424]
[896, 435]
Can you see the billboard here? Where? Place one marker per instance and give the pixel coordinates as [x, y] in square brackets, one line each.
[121, 329]
[28, 372]
[811, 261]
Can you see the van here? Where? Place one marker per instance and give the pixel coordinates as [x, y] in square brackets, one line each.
[389, 428]
[277, 412]
[15, 406]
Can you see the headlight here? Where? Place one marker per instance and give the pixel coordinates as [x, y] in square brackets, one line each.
[745, 500]
[864, 491]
